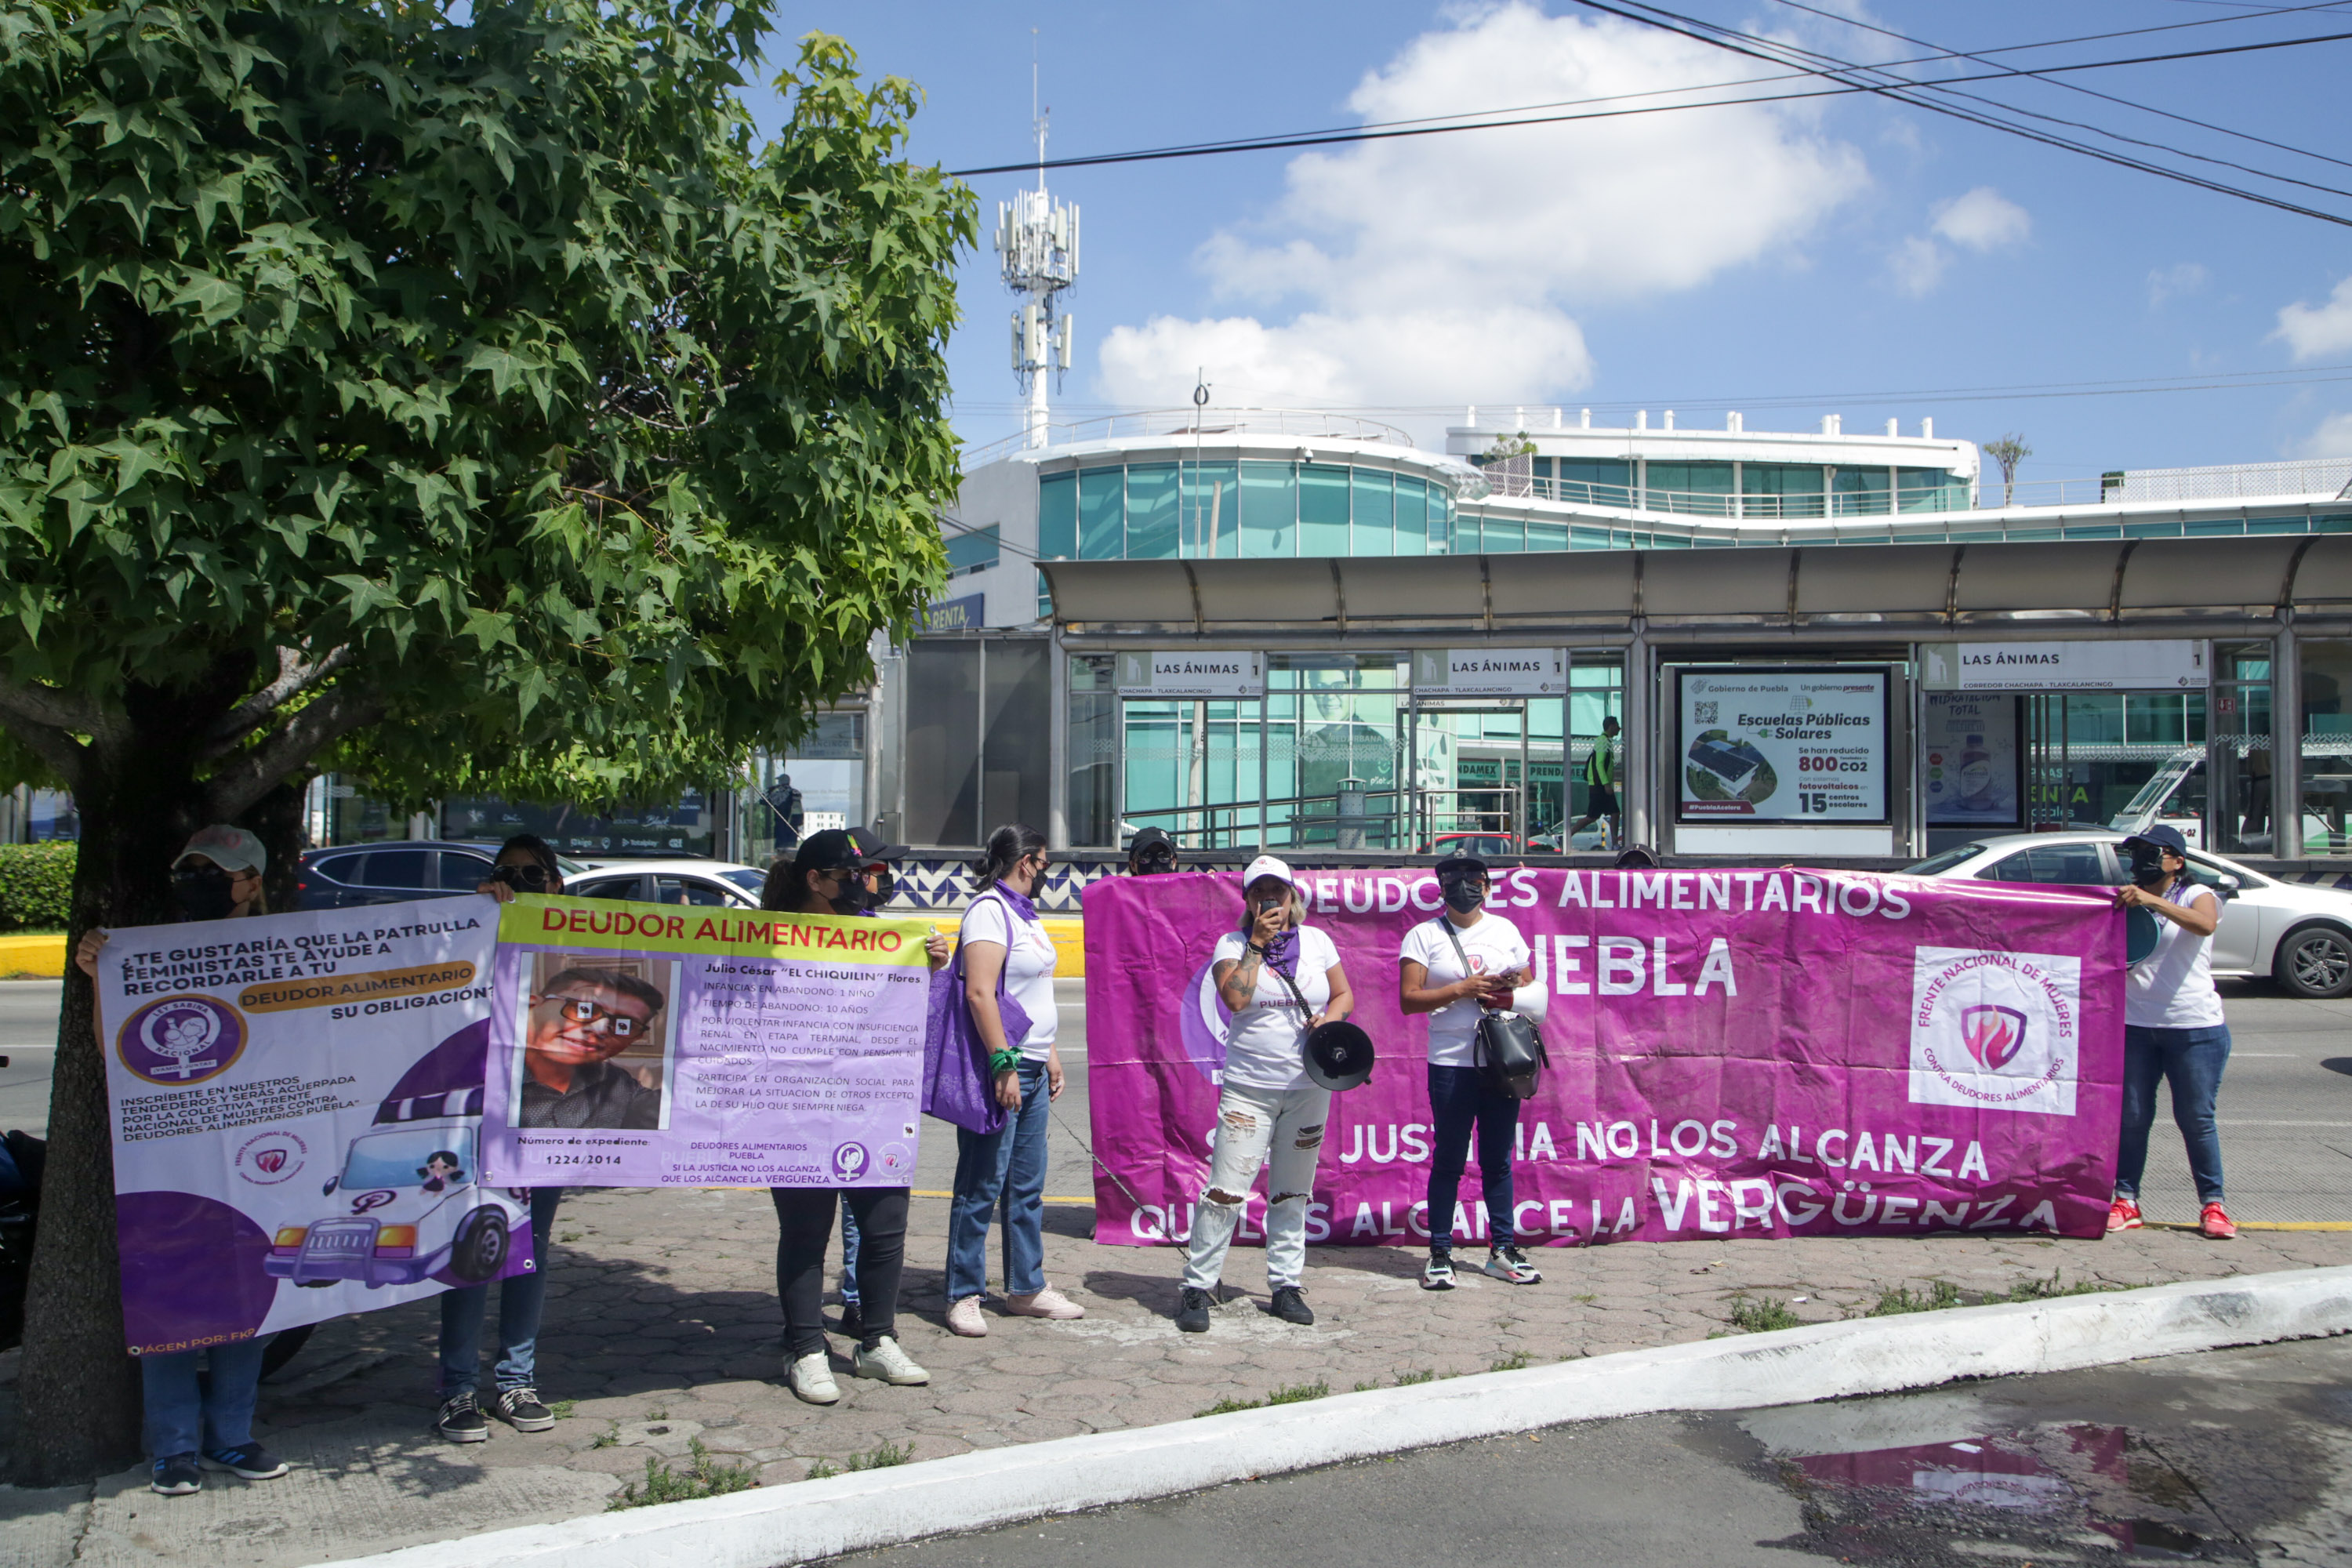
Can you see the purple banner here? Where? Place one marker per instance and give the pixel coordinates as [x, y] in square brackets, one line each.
[1733, 1053]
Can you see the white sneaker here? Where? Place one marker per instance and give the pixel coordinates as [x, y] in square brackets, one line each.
[1509, 1263]
[812, 1379]
[1046, 1303]
[963, 1318]
[1438, 1274]
[887, 1362]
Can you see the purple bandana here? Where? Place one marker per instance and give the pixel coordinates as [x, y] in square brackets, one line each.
[1021, 903]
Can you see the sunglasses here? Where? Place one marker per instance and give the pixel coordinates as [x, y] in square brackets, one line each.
[520, 877]
[587, 1015]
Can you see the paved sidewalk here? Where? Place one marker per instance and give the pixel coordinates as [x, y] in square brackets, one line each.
[662, 1328]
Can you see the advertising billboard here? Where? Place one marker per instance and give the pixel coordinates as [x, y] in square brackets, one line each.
[1780, 743]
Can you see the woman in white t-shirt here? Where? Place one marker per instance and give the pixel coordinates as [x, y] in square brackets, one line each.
[1280, 979]
[1433, 978]
[2173, 1028]
[1002, 936]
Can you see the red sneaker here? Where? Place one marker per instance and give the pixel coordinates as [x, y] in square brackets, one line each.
[2215, 1222]
[2122, 1214]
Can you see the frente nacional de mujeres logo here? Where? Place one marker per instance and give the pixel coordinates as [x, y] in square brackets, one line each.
[1998, 1031]
[182, 1041]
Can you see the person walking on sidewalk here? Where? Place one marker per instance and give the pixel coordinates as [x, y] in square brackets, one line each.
[1467, 954]
[204, 1421]
[1280, 979]
[1002, 936]
[829, 876]
[1600, 787]
[2174, 1028]
[525, 864]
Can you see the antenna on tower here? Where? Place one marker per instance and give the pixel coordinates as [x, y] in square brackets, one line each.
[1037, 238]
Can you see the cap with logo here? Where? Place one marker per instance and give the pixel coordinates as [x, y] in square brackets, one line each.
[831, 850]
[1267, 865]
[230, 849]
[1146, 837]
[873, 848]
[1455, 866]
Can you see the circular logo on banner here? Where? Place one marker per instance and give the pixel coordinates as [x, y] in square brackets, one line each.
[1995, 1030]
[897, 1160]
[849, 1160]
[269, 1158]
[181, 1040]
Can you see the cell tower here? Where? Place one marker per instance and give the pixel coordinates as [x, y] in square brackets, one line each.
[1037, 238]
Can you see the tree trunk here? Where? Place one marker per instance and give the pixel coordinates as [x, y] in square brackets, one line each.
[79, 1391]
[276, 820]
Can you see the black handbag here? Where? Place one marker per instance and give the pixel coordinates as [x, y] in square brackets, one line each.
[1508, 1051]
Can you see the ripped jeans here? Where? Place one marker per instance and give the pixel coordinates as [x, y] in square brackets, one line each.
[1283, 1127]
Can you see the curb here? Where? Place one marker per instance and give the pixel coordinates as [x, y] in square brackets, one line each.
[43, 956]
[811, 1519]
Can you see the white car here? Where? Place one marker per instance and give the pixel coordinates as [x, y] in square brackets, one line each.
[2298, 935]
[719, 884]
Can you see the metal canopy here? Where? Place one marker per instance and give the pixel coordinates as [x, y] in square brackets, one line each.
[2084, 587]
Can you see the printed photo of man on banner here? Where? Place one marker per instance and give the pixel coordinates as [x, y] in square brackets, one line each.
[297, 1105]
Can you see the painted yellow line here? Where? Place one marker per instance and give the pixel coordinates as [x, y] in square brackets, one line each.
[1084, 1203]
[2260, 1225]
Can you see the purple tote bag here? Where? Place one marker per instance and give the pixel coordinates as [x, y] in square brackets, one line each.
[957, 1088]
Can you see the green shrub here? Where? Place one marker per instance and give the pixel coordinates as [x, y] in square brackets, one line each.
[703, 1476]
[1762, 1315]
[37, 885]
[1896, 1299]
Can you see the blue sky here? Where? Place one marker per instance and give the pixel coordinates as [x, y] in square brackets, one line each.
[1849, 256]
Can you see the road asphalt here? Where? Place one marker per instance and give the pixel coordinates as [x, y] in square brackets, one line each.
[2227, 1457]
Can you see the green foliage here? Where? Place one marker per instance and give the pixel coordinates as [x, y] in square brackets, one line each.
[1299, 1392]
[702, 1477]
[2039, 1289]
[1227, 1405]
[564, 1409]
[462, 386]
[1515, 1362]
[821, 1470]
[1896, 1299]
[881, 1457]
[1407, 1379]
[37, 885]
[1762, 1315]
[608, 1439]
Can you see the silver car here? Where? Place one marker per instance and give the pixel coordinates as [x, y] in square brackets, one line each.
[2298, 935]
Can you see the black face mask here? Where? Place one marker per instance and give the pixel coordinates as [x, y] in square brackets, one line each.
[205, 893]
[1463, 894]
[1156, 861]
[885, 885]
[2146, 864]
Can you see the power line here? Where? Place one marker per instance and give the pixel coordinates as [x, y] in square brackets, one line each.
[1900, 91]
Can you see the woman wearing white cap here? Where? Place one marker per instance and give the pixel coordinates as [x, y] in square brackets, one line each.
[1268, 972]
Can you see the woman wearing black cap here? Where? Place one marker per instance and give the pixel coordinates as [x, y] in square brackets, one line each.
[828, 876]
[2173, 1027]
[1151, 853]
[1467, 954]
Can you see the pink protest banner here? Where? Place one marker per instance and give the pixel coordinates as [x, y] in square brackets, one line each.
[1733, 1053]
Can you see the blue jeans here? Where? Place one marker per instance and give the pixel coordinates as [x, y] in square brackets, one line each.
[1005, 1167]
[849, 1296]
[184, 1414]
[1457, 1097]
[520, 1296]
[2191, 1060]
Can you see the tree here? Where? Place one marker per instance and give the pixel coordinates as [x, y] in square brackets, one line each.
[2008, 451]
[460, 387]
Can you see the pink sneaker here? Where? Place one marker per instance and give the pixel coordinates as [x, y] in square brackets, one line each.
[2216, 1222]
[1046, 1303]
[2122, 1214]
[963, 1318]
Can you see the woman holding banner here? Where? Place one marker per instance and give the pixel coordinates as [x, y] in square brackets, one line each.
[833, 874]
[1004, 938]
[525, 864]
[197, 1422]
[1279, 979]
[1467, 953]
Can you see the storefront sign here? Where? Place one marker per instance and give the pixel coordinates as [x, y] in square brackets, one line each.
[2168, 665]
[1968, 760]
[1490, 671]
[1227, 676]
[655, 1044]
[1733, 1053]
[1781, 745]
[956, 615]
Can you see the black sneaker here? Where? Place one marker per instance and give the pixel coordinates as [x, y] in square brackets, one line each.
[1290, 1306]
[176, 1475]
[521, 1409]
[252, 1461]
[1509, 1263]
[1192, 1311]
[461, 1420]
[1438, 1274]
[853, 1321]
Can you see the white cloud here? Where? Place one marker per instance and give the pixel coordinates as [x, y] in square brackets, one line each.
[2313, 331]
[2171, 282]
[1918, 265]
[2331, 439]
[1983, 220]
[1435, 268]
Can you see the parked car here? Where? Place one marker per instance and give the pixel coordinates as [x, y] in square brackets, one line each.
[2298, 935]
[1480, 844]
[722, 884]
[345, 876]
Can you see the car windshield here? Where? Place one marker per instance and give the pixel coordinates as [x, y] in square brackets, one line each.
[751, 881]
[2152, 794]
[1936, 865]
[402, 1157]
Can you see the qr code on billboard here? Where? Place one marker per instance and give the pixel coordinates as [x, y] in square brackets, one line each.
[1705, 713]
